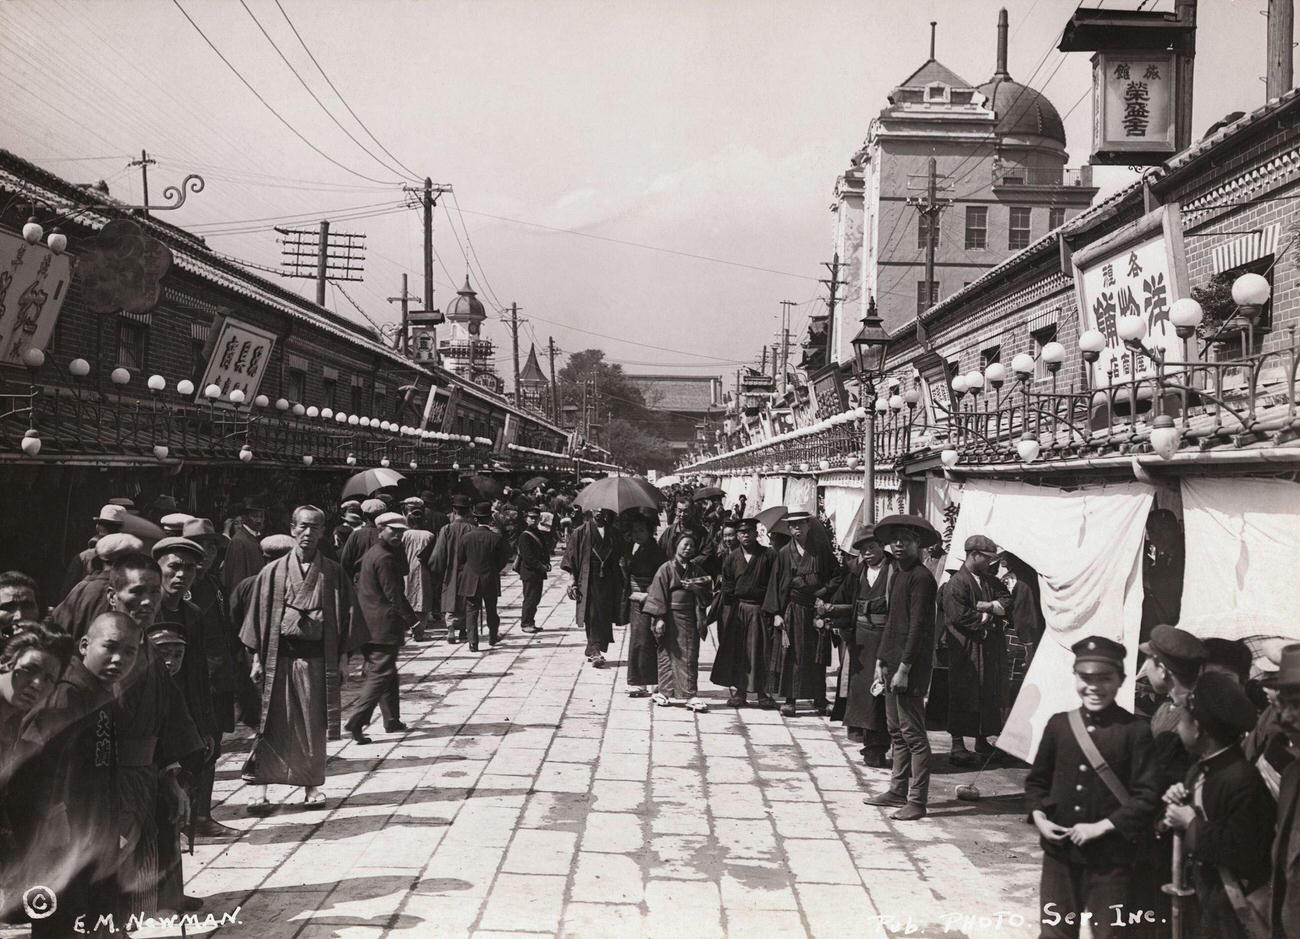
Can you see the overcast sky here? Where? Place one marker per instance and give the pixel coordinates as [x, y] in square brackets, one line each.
[706, 128]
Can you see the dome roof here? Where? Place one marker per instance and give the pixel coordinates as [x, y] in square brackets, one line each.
[1022, 111]
[466, 307]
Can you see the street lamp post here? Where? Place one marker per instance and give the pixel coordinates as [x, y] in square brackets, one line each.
[869, 348]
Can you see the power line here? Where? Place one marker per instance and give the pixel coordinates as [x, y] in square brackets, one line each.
[413, 175]
[319, 213]
[267, 105]
[313, 94]
[472, 251]
[633, 342]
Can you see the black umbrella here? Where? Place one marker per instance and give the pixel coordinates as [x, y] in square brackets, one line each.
[617, 493]
[535, 482]
[370, 481]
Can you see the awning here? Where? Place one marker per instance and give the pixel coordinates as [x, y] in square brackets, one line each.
[1247, 248]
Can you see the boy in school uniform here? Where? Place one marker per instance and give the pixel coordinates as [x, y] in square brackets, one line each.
[1092, 795]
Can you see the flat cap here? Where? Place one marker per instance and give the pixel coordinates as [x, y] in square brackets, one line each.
[276, 546]
[112, 513]
[175, 520]
[1099, 649]
[197, 529]
[413, 501]
[1232, 655]
[350, 504]
[166, 634]
[352, 516]
[747, 524]
[1171, 644]
[392, 520]
[117, 544]
[373, 506]
[178, 546]
[124, 502]
[1219, 699]
[981, 543]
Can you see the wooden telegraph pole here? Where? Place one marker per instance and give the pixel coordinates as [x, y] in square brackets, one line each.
[1281, 35]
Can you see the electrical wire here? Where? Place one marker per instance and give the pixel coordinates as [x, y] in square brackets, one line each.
[267, 104]
[319, 213]
[302, 81]
[411, 173]
[470, 242]
[633, 342]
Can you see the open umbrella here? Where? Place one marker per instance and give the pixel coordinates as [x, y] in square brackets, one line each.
[616, 493]
[771, 515]
[653, 491]
[535, 482]
[370, 481]
[707, 492]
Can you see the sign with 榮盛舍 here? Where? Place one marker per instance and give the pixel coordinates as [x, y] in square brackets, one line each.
[238, 359]
[1134, 107]
[1137, 271]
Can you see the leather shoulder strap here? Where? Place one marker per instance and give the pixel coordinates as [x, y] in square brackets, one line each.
[1095, 759]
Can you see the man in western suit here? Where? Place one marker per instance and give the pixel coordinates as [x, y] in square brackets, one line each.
[482, 554]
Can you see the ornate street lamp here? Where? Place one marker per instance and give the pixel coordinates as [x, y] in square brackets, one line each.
[870, 346]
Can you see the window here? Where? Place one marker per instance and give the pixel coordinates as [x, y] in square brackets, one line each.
[296, 389]
[1055, 217]
[936, 92]
[132, 344]
[1041, 338]
[358, 401]
[990, 355]
[923, 302]
[977, 226]
[380, 405]
[922, 227]
[330, 393]
[1018, 231]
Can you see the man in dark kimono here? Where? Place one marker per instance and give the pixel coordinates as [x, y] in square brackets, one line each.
[685, 520]
[302, 622]
[363, 539]
[89, 598]
[803, 571]
[532, 563]
[975, 606]
[1224, 807]
[593, 557]
[904, 663]
[747, 640]
[858, 610]
[446, 567]
[483, 552]
[1284, 913]
[244, 553]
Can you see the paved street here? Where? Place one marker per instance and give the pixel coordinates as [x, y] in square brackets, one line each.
[532, 797]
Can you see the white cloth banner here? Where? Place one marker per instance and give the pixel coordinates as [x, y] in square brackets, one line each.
[1243, 556]
[843, 505]
[771, 492]
[1086, 545]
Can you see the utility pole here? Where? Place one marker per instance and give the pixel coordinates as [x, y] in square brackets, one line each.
[764, 368]
[833, 284]
[785, 338]
[1184, 70]
[929, 208]
[144, 163]
[774, 360]
[427, 197]
[322, 261]
[1281, 35]
[513, 322]
[403, 342]
[555, 389]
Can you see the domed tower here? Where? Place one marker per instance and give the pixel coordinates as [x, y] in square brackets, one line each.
[998, 151]
[464, 351]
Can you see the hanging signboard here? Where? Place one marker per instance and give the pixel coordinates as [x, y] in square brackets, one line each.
[449, 411]
[506, 435]
[33, 282]
[238, 359]
[435, 408]
[1137, 271]
[828, 393]
[1134, 107]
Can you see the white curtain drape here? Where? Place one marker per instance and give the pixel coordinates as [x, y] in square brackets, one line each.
[1086, 545]
[1243, 558]
[771, 492]
[801, 491]
[843, 506]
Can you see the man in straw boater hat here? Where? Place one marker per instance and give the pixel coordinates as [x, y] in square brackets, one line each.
[1284, 684]
[859, 610]
[804, 571]
[1092, 794]
[746, 639]
[904, 662]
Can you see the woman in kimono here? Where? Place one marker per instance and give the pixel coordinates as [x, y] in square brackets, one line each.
[805, 570]
[594, 559]
[673, 601]
[641, 564]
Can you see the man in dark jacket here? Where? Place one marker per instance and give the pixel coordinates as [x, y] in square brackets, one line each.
[905, 660]
[481, 555]
[533, 564]
[363, 539]
[446, 572]
[381, 593]
[244, 553]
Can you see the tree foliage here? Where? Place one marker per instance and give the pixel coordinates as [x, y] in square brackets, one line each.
[618, 397]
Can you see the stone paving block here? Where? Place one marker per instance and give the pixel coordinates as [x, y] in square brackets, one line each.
[516, 761]
[563, 777]
[402, 846]
[481, 824]
[540, 851]
[688, 857]
[528, 737]
[678, 819]
[802, 820]
[875, 851]
[615, 795]
[626, 741]
[556, 810]
[524, 902]
[788, 787]
[756, 887]
[736, 801]
[837, 779]
[603, 921]
[574, 750]
[629, 766]
[608, 878]
[665, 753]
[745, 838]
[820, 861]
[752, 716]
[778, 759]
[461, 869]
[828, 907]
[440, 915]
[310, 866]
[715, 745]
[226, 880]
[727, 769]
[769, 735]
[770, 924]
[502, 790]
[613, 833]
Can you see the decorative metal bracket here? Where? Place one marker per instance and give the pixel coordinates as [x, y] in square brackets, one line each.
[191, 183]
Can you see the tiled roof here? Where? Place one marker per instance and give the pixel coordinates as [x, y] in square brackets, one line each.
[675, 392]
[934, 71]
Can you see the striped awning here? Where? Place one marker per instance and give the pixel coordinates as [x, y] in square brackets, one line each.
[1044, 318]
[199, 332]
[298, 362]
[1247, 248]
[144, 319]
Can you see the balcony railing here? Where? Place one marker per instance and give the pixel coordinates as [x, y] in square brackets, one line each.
[1043, 177]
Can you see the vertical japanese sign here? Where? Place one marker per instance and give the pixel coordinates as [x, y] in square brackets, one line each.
[435, 408]
[1133, 103]
[828, 393]
[33, 282]
[449, 411]
[506, 436]
[238, 359]
[1137, 271]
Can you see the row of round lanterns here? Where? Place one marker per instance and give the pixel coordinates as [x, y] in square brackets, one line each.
[33, 233]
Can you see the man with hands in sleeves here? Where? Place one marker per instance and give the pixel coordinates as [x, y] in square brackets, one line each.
[1092, 794]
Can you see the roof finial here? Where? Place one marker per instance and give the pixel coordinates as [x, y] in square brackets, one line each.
[1002, 46]
[933, 24]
